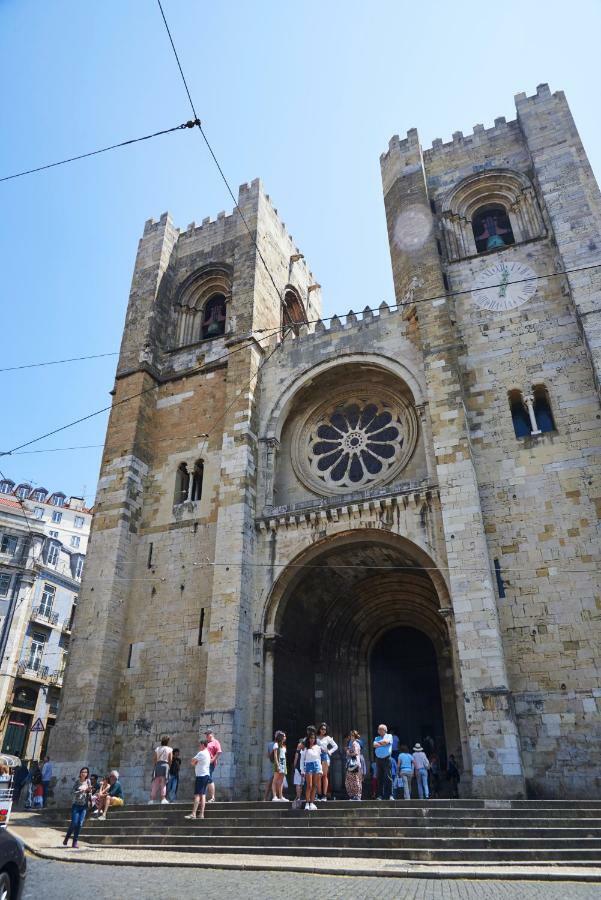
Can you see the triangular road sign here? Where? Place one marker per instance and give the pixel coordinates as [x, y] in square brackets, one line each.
[38, 725]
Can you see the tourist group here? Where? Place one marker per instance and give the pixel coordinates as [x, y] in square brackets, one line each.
[392, 770]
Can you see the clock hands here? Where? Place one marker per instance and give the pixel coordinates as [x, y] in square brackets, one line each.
[503, 283]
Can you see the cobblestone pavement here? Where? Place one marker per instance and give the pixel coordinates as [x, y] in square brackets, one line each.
[65, 881]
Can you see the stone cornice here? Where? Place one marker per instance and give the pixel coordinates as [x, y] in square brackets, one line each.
[332, 509]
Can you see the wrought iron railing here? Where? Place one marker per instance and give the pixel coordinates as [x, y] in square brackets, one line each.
[36, 671]
[44, 615]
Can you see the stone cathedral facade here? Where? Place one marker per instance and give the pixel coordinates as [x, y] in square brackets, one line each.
[391, 515]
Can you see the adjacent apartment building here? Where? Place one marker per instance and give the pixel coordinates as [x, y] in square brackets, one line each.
[43, 542]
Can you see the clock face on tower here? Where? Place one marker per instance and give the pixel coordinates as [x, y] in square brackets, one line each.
[504, 285]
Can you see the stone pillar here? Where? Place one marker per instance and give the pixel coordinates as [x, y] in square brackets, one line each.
[568, 189]
[270, 452]
[529, 401]
[495, 760]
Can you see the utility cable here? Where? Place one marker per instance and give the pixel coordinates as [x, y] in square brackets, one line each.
[58, 362]
[370, 309]
[153, 387]
[399, 305]
[58, 449]
[198, 124]
[71, 159]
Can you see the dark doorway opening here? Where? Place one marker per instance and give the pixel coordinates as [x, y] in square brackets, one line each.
[405, 688]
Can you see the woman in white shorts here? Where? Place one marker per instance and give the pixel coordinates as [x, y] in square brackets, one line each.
[310, 764]
[328, 747]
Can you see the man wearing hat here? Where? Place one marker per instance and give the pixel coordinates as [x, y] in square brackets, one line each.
[421, 766]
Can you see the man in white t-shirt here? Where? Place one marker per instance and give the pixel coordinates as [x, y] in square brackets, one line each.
[202, 769]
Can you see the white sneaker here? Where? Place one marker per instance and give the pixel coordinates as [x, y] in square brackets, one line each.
[324, 799]
[151, 802]
[307, 807]
[275, 799]
[212, 800]
[391, 798]
[164, 800]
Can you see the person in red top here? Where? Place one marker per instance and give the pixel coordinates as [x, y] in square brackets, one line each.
[214, 748]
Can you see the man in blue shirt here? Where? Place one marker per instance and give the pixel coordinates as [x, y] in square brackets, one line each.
[383, 751]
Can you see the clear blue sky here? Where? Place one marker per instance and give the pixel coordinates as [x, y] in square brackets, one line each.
[304, 95]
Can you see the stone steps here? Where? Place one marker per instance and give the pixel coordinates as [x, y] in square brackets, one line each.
[553, 832]
[320, 831]
[418, 854]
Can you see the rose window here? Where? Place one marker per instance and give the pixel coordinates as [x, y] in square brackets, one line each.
[356, 442]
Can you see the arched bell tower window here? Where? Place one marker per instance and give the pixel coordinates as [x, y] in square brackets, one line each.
[492, 228]
[197, 479]
[213, 320]
[488, 211]
[202, 305]
[293, 312]
[182, 484]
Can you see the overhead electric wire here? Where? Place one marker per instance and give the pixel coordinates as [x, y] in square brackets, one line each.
[57, 362]
[271, 334]
[372, 309]
[71, 159]
[198, 123]
[57, 449]
[209, 363]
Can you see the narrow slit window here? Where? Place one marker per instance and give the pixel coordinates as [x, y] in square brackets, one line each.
[519, 414]
[542, 409]
[197, 479]
[131, 649]
[201, 626]
[149, 561]
[182, 484]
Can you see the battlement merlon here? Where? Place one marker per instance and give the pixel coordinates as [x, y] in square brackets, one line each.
[402, 158]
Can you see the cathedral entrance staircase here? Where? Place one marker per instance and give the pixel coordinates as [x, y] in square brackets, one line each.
[455, 831]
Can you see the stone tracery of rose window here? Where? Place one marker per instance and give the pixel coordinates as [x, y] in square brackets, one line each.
[355, 441]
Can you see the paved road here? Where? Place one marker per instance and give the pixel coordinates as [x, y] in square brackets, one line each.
[66, 881]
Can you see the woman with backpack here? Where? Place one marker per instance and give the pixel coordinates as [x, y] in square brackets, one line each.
[353, 780]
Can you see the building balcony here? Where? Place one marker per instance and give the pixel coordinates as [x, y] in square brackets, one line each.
[56, 678]
[43, 616]
[35, 672]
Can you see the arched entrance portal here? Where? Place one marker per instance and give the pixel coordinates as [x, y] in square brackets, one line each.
[353, 621]
[405, 687]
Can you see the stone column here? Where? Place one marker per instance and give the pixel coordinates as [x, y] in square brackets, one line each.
[495, 760]
[270, 451]
[529, 401]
